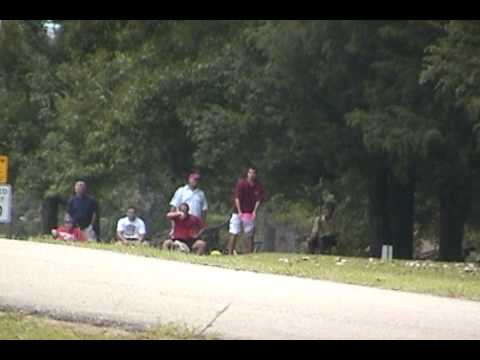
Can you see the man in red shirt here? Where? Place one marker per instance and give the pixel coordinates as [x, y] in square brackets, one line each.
[187, 232]
[68, 232]
[248, 195]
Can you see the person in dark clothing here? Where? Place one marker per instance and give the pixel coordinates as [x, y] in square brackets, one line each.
[324, 233]
[84, 211]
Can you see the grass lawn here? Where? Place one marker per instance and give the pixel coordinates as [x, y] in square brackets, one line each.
[457, 280]
[18, 326]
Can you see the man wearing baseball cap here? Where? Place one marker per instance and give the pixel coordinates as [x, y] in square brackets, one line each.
[193, 196]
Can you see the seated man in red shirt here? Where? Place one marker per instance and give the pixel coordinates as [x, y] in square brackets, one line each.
[187, 232]
[67, 232]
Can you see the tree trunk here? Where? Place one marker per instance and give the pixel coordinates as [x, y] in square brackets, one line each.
[269, 237]
[96, 226]
[378, 224]
[49, 214]
[401, 217]
[453, 214]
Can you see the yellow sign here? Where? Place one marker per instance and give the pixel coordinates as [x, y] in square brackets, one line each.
[3, 169]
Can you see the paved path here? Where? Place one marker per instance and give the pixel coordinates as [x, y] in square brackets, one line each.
[78, 283]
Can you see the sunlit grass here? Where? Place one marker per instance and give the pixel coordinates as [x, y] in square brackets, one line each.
[458, 280]
[17, 326]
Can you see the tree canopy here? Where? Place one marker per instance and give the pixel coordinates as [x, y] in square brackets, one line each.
[384, 114]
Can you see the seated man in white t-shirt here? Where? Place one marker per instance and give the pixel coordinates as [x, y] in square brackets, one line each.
[131, 229]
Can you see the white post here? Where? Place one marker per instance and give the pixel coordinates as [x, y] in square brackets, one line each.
[387, 252]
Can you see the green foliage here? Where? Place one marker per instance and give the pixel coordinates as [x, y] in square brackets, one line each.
[132, 105]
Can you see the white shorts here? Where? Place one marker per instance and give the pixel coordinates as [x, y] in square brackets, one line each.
[236, 224]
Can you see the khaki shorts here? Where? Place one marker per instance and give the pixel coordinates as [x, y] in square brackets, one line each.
[181, 246]
[178, 245]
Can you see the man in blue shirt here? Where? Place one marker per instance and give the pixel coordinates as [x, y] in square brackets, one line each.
[84, 211]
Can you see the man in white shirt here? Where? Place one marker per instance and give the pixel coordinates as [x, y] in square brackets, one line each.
[131, 229]
[193, 196]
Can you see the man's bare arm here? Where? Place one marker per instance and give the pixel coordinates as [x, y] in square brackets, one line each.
[174, 214]
[172, 223]
[237, 204]
[94, 219]
[121, 237]
[257, 205]
[199, 234]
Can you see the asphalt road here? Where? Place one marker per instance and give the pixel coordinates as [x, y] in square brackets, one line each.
[100, 286]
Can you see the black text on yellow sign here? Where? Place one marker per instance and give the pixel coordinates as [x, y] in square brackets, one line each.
[3, 169]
